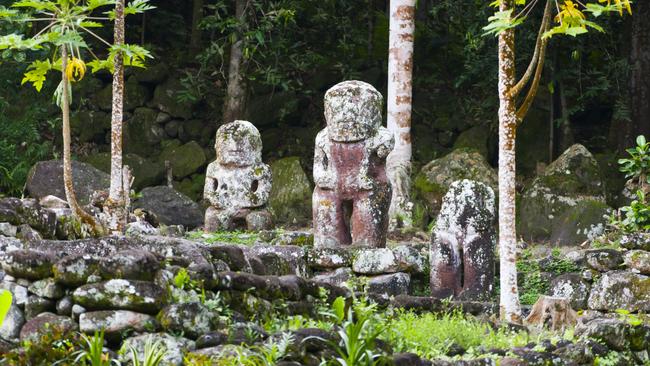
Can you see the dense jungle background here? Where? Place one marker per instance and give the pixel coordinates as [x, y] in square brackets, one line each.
[294, 50]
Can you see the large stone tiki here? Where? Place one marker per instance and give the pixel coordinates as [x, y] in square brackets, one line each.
[463, 242]
[352, 194]
[237, 183]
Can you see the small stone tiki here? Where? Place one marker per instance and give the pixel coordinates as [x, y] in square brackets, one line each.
[352, 194]
[237, 183]
[463, 242]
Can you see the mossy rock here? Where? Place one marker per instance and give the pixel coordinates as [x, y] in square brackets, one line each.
[140, 296]
[432, 182]
[290, 198]
[476, 138]
[584, 221]
[142, 135]
[90, 126]
[621, 290]
[192, 186]
[569, 187]
[146, 172]
[135, 95]
[185, 159]
[165, 98]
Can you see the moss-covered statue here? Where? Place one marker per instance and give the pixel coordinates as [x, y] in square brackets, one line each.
[352, 194]
[237, 183]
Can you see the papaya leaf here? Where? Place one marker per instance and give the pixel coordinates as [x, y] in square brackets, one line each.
[36, 73]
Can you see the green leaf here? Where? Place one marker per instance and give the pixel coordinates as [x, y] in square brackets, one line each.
[339, 308]
[501, 21]
[36, 5]
[640, 140]
[5, 304]
[16, 42]
[89, 24]
[36, 73]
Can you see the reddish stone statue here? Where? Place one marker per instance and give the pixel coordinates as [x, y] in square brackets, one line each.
[352, 194]
[237, 183]
[463, 242]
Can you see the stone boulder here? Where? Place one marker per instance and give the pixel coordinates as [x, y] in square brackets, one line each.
[573, 287]
[184, 159]
[14, 320]
[170, 206]
[46, 178]
[566, 202]
[175, 347]
[603, 260]
[43, 324]
[476, 138]
[28, 264]
[142, 135]
[638, 261]
[75, 269]
[640, 241]
[146, 172]
[192, 319]
[165, 98]
[620, 290]
[139, 296]
[29, 212]
[434, 179]
[290, 198]
[130, 264]
[390, 284]
[116, 322]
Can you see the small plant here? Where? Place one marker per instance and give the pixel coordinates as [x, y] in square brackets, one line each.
[637, 215]
[93, 353]
[638, 165]
[154, 352]
[358, 332]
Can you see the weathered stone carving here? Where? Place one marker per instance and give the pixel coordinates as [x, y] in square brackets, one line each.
[463, 242]
[237, 183]
[352, 194]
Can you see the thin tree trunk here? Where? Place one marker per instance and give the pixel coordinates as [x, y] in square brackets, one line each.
[236, 92]
[115, 206]
[640, 75]
[400, 74]
[510, 308]
[197, 16]
[68, 182]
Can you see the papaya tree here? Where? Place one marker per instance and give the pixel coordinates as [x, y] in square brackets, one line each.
[560, 17]
[63, 27]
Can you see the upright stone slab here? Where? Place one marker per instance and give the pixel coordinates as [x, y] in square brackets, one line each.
[237, 183]
[462, 245]
[352, 195]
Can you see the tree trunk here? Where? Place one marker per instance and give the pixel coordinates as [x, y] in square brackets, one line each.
[400, 72]
[236, 92]
[510, 309]
[68, 183]
[115, 206]
[640, 75]
[197, 16]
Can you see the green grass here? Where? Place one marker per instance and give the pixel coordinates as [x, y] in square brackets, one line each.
[232, 237]
[430, 335]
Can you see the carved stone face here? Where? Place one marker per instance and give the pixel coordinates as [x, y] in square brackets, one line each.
[353, 111]
[238, 143]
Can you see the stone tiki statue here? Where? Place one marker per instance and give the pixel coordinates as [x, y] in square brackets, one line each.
[463, 242]
[352, 193]
[237, 183]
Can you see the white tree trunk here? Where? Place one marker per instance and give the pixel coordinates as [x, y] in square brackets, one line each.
[115, 206]
[236, 91]
[510, 309]
[400, 72]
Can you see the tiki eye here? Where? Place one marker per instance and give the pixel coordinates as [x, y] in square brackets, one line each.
[255, 185]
